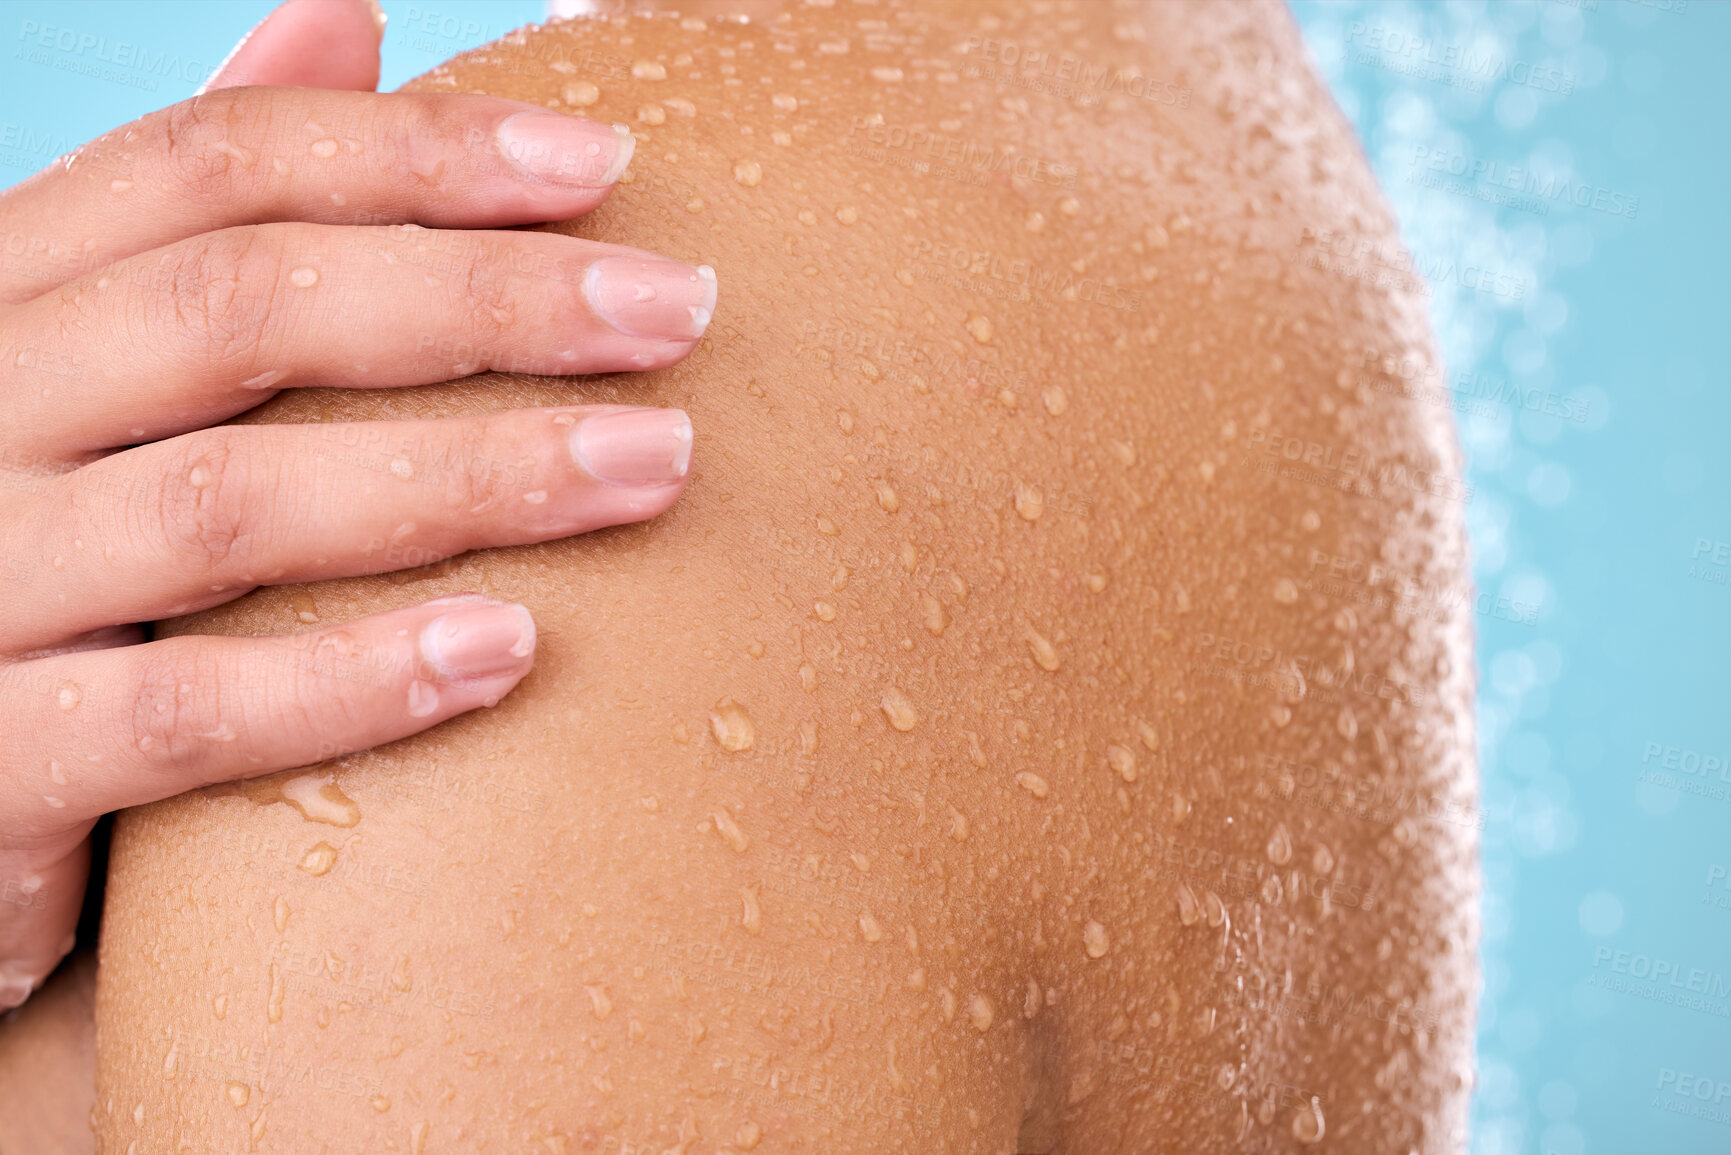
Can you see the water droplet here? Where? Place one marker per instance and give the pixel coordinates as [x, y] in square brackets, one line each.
[67, 695]
[785, 102]
[1030, 502]
[239, 1094]
[319, 860]
[1033, 784]
[1285, 591]
[1280, 715]
[1216, 909]
[869, 928]
[580, 94]
[599, 1002]
[1045, 656]
[273, 1005]
[1347, 723]
[847, 214]
[1310, 521]
[748, 173]
[899, 710]
[730, 831]
[1322, 860]
[1307, 1124]
[219, 1006]
[304, 277]
[824, 610]
[980, 1013]
[958, 825]
[1189, 910]
[747, 1135]
[733, 728]
[934, 616]
[887, 74]
[1095, 940]
[1280, 845]
[648, 70]
[1122, 761]
[751, 916]
[280, 913]
[979, 327]
[807, 677]
[1055, 400]
[381, 1104]
[808, 737]
[318, 799]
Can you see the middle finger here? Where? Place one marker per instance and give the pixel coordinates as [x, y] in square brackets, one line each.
[187, 335]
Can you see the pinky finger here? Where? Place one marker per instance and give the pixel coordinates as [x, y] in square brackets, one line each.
[101, 730]
[106, 729]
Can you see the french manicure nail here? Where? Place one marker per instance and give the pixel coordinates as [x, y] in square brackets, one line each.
[634, 447]
[651, 298]
[480, 640]
[566, 150]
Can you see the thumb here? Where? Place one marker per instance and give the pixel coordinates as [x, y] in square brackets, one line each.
[309, 44]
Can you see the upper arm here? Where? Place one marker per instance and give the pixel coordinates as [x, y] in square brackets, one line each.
[857, 799]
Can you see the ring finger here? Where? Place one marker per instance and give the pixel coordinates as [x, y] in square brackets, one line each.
[201, 519]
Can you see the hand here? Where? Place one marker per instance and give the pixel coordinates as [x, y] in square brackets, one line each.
[182, 269]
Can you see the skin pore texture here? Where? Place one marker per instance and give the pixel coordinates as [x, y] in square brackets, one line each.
[1023, 736]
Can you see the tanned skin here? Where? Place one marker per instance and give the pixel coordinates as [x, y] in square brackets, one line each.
[1022, 737]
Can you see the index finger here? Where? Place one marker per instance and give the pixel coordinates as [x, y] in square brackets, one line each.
[242, 156]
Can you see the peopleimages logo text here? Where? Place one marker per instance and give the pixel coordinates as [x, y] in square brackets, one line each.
[1549, 186]
[1468, 61]
[121, 53]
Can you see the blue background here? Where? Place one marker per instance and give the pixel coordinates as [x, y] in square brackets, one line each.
[1592, 513]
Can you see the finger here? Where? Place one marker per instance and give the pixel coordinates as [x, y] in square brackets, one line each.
[242, 156]
[148, 722]
[310, 44]
[43, 895]
[105, 729]
[207, 328]
[184, 524]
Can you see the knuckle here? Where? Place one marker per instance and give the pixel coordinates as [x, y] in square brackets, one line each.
[177, 702]
[202, 504]
[486, 305]
[471, 485]
[216, 292]
[207, 147]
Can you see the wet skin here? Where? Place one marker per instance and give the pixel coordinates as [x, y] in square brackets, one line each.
[993, 751]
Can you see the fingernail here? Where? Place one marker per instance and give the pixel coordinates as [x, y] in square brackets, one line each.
[634, 447]
[479, 641]
[650, 298]
[566, 150]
